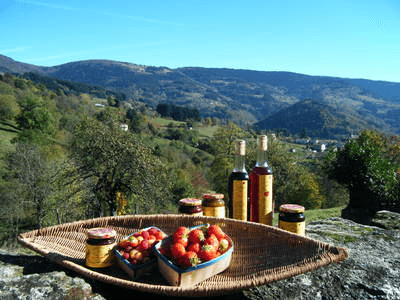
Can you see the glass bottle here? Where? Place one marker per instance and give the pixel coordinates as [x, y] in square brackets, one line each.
[238, 184]
[261, 178]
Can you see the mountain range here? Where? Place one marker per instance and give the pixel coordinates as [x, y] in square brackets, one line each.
[326, 106]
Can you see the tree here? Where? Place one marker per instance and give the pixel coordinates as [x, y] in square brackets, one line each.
[35, 115]
[8, 107]
[30, 172]
[224, 142]
[118, 162]
[364, 167]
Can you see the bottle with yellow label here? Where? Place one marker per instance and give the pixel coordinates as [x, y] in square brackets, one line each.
[238, 185]
[261, 179]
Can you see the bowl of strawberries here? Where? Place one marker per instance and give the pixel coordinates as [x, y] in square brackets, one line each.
[134, 253]
[191, 255]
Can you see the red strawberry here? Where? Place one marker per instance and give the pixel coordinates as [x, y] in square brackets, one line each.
[182, 230]
[212, 241]
[207, 253]
[145, 234]
[189, 259]
[181, 235]
[196, 236]
[195, 247]
[143, 246]
[160, 235]
[152, 231]
[177, 250]
[217, 231]
[181, 240]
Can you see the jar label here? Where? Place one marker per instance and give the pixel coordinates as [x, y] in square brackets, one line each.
[265, 211]
[99, 256]
[295, 227]
[240, 200]
[218, 212]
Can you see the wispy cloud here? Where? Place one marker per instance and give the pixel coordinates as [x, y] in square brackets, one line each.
[49, 5]
[142, 19]
[14, 50]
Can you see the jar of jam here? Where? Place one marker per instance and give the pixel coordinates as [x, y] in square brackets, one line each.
[99, 247]
[291, 218]
[190, 206]
[214, 205]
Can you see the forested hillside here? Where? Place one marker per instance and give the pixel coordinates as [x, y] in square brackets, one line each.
[245, 97]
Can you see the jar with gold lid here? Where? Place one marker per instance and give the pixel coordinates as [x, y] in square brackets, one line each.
[291, 218]
[214, 205]
[99, 247]
[190, 206]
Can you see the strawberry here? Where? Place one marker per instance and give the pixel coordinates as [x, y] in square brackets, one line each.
[182, 230]
[152, 231]
[181, 236]
[145, 234]
[212, 241]
[217, 231]
[196, 236]
[182, 240]
[177, 250]
[160, 235]
[143, 246]
[207, 252]
[189, 259]
[195, 247]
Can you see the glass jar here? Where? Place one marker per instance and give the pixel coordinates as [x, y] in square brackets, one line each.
[214, 205]
[190, 206]
[291, 218]
[99, 247]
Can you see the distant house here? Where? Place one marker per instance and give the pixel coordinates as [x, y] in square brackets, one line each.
[318, 147]
[124, 127]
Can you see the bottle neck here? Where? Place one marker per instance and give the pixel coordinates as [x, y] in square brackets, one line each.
[240, 164]
[261, 158]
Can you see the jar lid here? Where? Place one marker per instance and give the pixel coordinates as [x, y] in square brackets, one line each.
[190, 202]
[213, 196]
[291, 208]
[101, 233]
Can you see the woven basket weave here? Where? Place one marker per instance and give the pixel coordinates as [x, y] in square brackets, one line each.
[262, 254]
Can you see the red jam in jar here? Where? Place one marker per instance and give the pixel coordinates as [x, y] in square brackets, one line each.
[190, 206]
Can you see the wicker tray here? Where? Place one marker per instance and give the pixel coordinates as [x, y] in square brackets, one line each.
[262, 254]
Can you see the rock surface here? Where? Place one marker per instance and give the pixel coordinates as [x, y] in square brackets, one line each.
[372, 270]
[33, 277]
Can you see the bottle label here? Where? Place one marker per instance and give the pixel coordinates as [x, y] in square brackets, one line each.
[218, 212]
[240, 200]
[295, 227]
[265, 209]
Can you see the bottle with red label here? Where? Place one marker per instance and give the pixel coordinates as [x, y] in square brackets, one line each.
[238, 185]
[261, 180]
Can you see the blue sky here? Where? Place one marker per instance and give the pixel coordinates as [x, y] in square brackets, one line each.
[343, 38]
